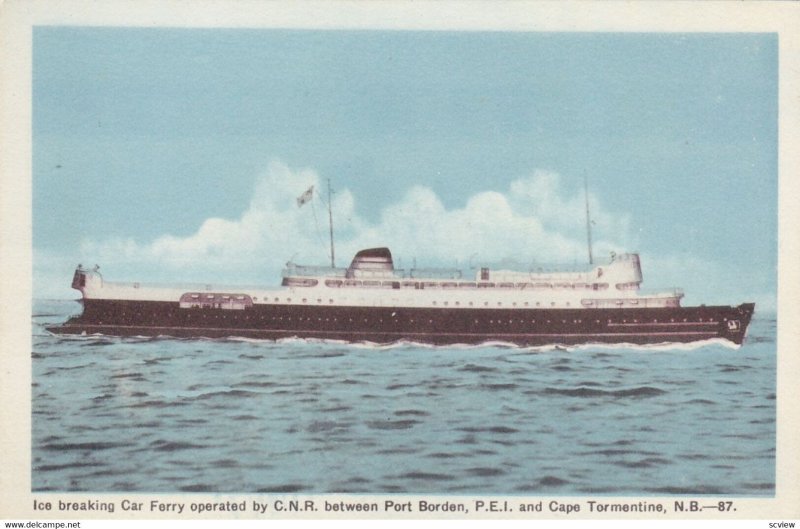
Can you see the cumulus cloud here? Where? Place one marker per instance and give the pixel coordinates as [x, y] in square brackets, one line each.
[534, 219]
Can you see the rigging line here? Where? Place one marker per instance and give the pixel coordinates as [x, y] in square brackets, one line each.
[316, 223]
[588, 218]
[328, 203]
[330, 220]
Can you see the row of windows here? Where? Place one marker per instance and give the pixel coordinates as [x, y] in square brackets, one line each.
[436, 303]
[225, 297]
[448, 285]
[584, 302]
[412, 320]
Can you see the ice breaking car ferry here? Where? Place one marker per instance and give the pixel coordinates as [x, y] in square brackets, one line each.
[372, 301]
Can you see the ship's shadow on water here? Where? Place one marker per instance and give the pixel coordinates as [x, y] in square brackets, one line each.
[237, 415]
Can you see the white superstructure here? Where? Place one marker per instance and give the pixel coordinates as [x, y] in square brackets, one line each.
[372, 281]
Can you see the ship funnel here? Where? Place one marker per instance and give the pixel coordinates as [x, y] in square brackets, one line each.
[371, 260]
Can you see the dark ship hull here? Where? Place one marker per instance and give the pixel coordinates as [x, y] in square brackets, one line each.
[382, 325]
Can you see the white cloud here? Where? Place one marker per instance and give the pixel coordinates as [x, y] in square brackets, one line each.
[534, 219]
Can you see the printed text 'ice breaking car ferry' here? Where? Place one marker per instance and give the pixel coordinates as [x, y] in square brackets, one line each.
[372, 301]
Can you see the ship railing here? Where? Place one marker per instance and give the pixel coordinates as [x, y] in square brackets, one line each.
[435, 273]
[413, 273]
[637, 302]
[540, 267]
[186, 287]
[294, 270]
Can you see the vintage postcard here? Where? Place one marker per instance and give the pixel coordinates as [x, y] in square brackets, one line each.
[448, 261]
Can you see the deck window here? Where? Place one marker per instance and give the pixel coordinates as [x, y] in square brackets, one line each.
[298, 282]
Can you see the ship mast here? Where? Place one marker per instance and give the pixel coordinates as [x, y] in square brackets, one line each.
[588, 218]
[330, 223]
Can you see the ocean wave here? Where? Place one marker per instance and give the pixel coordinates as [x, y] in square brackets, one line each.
[643, 391]
[183, 414]
[662, 346]
[98, 339]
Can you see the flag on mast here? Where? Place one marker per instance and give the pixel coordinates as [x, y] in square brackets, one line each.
[305, 197]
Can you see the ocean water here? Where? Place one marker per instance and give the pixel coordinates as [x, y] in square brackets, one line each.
[251, 416]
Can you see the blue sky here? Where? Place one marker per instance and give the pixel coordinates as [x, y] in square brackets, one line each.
[176, 154]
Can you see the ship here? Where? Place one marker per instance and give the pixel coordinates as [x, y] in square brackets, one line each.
[372, 301]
